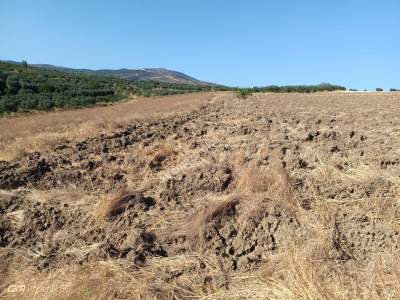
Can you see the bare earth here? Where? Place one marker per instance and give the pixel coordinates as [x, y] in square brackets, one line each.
[278, 196]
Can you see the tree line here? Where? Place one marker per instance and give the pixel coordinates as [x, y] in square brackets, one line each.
[323, 87]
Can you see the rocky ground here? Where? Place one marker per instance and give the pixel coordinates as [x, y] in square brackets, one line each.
[274, 196]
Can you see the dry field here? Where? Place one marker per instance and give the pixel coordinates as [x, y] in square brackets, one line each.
[206, 196]
[43, 131]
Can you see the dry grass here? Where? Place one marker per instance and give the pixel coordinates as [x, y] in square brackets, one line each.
[115, 204]
[115, 280]
[68, 196]
[272, 183]
[295, 274]
[43, 138]
[292, 274]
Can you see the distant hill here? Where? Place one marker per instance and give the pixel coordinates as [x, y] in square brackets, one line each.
[154, 74]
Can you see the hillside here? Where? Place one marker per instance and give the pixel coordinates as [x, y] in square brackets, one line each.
[155, 74]
[146, 74]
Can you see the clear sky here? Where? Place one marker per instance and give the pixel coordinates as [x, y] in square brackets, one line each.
[355, 43]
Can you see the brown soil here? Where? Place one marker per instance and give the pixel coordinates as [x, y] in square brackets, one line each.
[190, 204]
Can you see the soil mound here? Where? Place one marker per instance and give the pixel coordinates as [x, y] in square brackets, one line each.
[362, 237]
[242, 232]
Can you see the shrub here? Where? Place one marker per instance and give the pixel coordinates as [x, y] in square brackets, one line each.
[379, 89]
[243, 93]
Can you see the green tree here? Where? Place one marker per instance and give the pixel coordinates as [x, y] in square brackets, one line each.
[12, 85]
[24, 64]
[3, 85]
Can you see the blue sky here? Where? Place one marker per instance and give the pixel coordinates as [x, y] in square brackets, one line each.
[355, 43]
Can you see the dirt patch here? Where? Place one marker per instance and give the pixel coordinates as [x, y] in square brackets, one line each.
[56, 233]
[207, 178]
[363, 237]
[241, 231]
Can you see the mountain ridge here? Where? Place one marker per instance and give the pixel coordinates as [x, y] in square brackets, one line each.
[142, 74]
